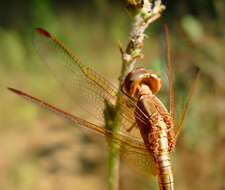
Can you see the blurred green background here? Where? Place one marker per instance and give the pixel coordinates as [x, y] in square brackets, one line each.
[39, 151]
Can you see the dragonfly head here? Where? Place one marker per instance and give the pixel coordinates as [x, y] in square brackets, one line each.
[141, 76]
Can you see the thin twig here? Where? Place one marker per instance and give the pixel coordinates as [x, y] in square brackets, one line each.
[143, 12]
[148, 13]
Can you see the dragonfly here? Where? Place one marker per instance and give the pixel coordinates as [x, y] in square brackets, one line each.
[148, 131]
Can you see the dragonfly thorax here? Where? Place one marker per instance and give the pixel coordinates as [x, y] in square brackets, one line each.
[155, 124]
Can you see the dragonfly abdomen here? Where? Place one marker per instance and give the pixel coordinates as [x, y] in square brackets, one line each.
[165, 173]
[160, 146]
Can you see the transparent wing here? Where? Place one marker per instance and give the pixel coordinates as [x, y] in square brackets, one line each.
[163, 67]
[159, 65]
[134, 152]
[143, 162]
[86, 88]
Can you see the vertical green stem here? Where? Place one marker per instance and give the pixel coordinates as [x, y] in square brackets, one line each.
[114, 162]
[112, 120]
[143, 12]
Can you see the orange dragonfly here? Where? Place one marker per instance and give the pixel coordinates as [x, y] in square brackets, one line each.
[148, 131]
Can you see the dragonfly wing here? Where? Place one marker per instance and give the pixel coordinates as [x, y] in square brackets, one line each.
[82, 83]
[142, 162]
[134, 152]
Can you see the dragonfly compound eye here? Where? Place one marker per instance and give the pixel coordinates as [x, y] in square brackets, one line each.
[142, 76]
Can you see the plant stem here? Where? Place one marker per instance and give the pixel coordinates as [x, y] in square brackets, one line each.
[114, 163]
[112, 121]
[142, 12]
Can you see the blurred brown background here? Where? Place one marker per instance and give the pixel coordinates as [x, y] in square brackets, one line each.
[41, 151]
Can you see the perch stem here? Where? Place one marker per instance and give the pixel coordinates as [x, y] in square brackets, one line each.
[142, 12]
